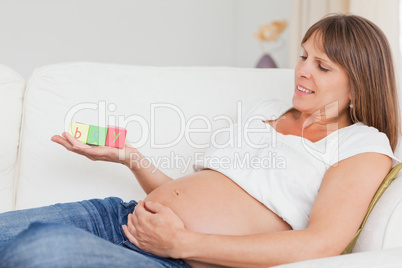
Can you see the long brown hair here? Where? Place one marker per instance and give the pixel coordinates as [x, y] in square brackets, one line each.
[361, 48]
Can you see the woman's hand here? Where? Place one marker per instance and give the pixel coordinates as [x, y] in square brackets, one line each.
[155, 229]
[102, 153]
[148, 176]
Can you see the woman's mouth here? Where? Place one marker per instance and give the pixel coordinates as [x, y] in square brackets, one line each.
[303, 91]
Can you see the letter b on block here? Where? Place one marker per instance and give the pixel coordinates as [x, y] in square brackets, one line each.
[116, 137]
[97, 135]
[79, 131]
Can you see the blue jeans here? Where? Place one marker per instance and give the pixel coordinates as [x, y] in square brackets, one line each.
[78, 234]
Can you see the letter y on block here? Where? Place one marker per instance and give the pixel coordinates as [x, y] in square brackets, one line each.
[116, 137]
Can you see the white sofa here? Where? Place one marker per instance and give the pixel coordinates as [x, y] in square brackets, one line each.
[161, 109]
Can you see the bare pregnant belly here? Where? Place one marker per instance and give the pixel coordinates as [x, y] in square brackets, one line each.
[209, 202]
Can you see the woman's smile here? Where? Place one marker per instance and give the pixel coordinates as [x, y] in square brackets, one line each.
[303, 91]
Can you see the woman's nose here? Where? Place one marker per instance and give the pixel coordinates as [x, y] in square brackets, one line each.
[304, 69]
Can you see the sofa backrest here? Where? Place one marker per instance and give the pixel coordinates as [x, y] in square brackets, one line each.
[163, 106]
[12, 87]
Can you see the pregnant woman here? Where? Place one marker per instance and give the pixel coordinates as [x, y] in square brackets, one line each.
[337, 140]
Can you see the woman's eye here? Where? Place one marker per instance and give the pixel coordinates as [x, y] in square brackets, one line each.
[303, 57]
[323, 68]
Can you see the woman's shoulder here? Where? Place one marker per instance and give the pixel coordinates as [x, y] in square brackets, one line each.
[359, 130]
[360, 138]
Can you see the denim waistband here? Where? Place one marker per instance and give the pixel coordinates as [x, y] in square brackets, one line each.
[113, 213]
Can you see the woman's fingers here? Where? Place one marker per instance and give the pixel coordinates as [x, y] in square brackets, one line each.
[67, 141]
[62, 141]
[130, 229]
[74, 141]
[66, 144]
[130, 237]
[130, 224]
[138, 212]
[92, 152]
[153, 228]
[154, 207]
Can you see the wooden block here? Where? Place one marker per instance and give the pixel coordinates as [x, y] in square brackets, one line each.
[79, 131]
[97, 135]
[116, 137]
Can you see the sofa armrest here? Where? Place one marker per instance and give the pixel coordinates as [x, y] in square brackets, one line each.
[12, 86]
[385, 258]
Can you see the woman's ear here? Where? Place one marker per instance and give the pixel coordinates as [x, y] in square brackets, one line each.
[350, 96]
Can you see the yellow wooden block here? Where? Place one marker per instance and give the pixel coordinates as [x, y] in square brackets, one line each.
[79, 131]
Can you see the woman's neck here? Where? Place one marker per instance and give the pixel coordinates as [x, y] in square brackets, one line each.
[321, 120]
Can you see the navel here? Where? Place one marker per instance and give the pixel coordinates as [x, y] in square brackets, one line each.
[176, 192]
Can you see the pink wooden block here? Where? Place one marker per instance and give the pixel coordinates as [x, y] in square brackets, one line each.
[116, 137]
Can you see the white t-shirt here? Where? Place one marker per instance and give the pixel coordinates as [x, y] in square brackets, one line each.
[284, 172]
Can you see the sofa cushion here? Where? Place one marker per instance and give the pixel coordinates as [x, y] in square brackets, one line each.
[160, 107]
[12, 87]
[392, 175]
[383, 227]
[389, 258]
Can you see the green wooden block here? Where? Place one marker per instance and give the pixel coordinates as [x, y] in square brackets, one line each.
[97, 135]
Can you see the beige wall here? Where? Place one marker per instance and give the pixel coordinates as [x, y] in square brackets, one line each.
[143, 32]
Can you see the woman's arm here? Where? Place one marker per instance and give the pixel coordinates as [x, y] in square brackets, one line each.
[148, 176]
[338, 211]
[146, 173]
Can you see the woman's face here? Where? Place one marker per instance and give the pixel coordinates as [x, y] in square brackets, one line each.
[320, 84]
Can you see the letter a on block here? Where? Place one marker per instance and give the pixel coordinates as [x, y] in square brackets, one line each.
[79, 131]
[116, 137]
[97, 135]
